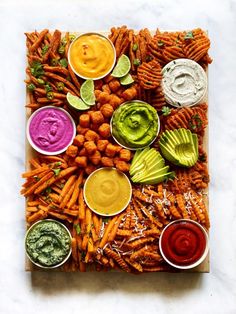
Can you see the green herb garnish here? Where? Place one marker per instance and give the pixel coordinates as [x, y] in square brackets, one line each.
[160, 43]
[63, 62]
[78, 229]
[48, 88]
[36, 69]
[45, 49]
[56, 171]
[105, 219]
[31, 87]
[40, 81]
[189, 35]
[165, 110]
[72, 37]
[136, 62]
[135, 47]
[48, 190]
[61, 49]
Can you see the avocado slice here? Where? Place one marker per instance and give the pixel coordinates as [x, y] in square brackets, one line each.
[148, 167]
[180, 147]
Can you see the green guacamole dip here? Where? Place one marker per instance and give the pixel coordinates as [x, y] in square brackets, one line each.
[48, 243]
[135, 124]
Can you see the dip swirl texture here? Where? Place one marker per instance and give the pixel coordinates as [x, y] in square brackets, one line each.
[135, 124]
[184, 82]
[183, 243]
[91, 56]
[48, 243]
[51, 129]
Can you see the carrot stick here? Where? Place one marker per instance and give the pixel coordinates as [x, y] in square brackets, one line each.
[74, 249]
[62, 79]
[81, 206]
[76, 190]
[107, 231]
[67, 186]
[34, 172]
[67, 197]
[38, 184]
[38, 41]
[61, 175]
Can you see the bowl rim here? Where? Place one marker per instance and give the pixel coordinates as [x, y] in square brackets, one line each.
[98, 77]
[97, 212]
[203, 74]
[66, 257]
[135, 148]
[204, 255]
[39, 150]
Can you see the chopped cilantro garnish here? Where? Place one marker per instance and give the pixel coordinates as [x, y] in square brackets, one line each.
[165, 110]
[56, 171]
[63, 62]
[189, 35]
[135, 47]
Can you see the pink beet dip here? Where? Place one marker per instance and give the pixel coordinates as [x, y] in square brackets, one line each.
[50, 130]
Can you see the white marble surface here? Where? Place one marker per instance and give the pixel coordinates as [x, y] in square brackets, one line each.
[213, 293]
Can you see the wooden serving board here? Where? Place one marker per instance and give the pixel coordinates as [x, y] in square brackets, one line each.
[30, 153]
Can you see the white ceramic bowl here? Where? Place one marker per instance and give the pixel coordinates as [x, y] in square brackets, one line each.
[89, 78]
[200, 260]
[132, 148]
[37, 264]
[94, 210]
[42, 151]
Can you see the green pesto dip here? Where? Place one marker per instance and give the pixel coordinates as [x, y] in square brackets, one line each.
[48, 243]
[135, 124]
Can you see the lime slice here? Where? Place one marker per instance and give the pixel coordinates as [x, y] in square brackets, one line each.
[87, 92]
[76, 102]
[126, 80]
[122, 67]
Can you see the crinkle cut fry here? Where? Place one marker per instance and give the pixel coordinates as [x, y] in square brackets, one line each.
[117, 258]
[149, 74]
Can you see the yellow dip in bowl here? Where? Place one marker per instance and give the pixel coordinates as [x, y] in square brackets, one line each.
[91, 56]
[107, 191]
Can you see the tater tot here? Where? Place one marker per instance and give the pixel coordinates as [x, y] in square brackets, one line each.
[71, 162]
[125, 154]
[114, 85]
[103, 98]
[122, 166]
[120, 91]
[101, 145]
[72, 151]
[104, 130]
[97, 117]
[81, 130]
[110, 150]
[107, 110]
[114, 101]
[129, 93]
[81, 161]
[98, 84]
[84, 120]
[107, 162]
[95, 158]
[79, 140]
[97, 92]
[94, 127]
[106, 88]
[90, 147]
[89, 169]
[108, 78]
[83, 152]
[91, 136]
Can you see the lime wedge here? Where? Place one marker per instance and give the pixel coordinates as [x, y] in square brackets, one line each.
[76, 102]
[87, 92]
[126, 80]
[122, 67]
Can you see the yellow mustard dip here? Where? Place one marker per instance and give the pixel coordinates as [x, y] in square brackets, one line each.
[107, 191]
[92, 56]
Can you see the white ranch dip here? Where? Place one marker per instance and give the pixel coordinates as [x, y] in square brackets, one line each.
[184, 83]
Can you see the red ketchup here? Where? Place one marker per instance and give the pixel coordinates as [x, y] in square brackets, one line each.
[183, 243]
